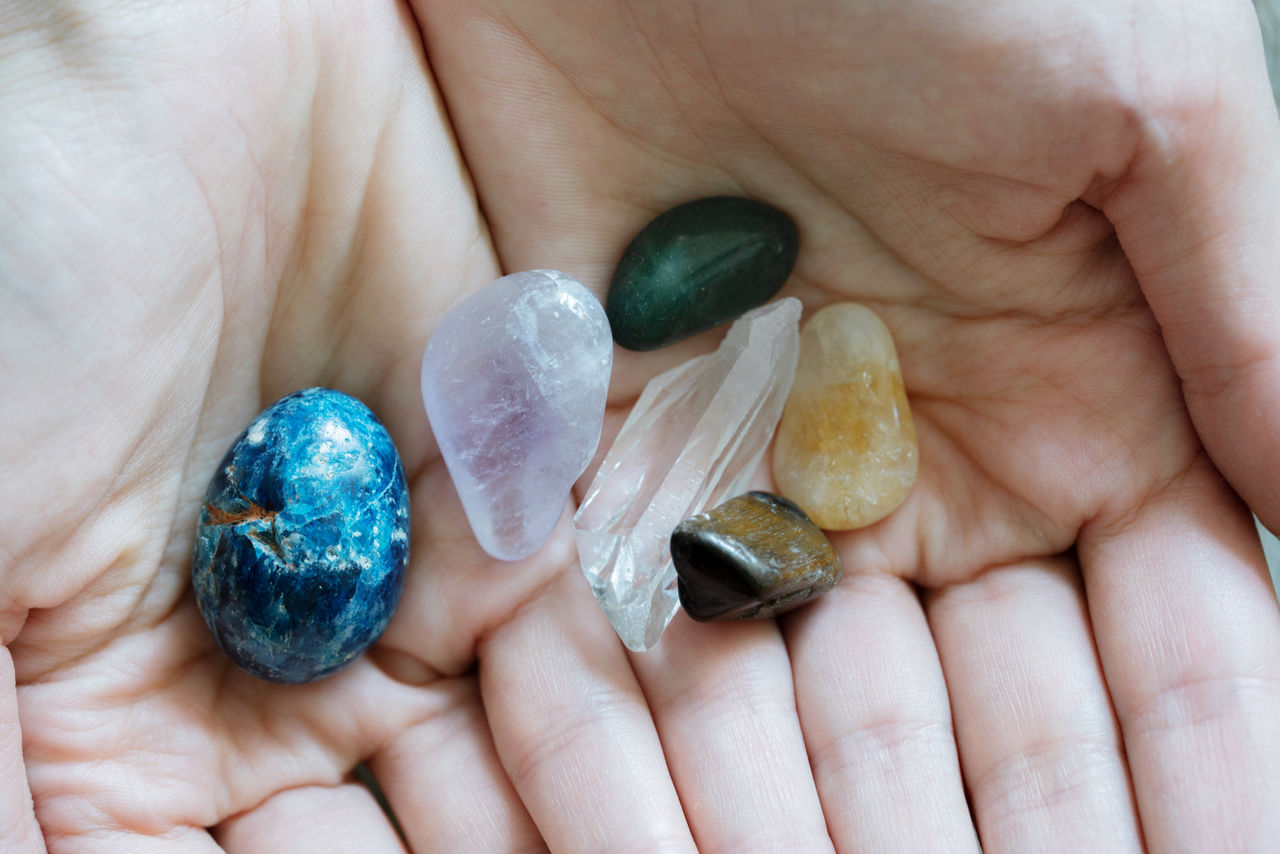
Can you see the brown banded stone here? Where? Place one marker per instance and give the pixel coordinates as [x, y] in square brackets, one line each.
[846, 445]
[751, 557]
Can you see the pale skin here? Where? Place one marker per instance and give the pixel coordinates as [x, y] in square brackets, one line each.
[1065, 639]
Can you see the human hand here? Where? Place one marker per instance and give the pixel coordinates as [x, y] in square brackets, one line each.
[320, 240]
[1096, 617]
[205, 207]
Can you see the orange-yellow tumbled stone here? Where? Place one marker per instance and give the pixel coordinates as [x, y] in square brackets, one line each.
[846, 446]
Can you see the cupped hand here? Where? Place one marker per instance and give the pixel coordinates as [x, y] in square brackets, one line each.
[1066, 637]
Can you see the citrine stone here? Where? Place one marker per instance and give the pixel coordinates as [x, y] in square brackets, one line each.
[846, 445]
[696, 266]
[752, 557]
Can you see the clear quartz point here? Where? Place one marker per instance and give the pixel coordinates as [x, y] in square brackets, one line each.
[694, 438]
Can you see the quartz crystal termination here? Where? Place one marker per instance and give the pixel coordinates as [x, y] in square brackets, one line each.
[693, 439]
[514, 381]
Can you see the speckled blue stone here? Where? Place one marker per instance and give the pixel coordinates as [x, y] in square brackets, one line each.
[303, 538]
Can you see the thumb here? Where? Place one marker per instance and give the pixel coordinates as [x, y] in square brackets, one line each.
[1198, 215]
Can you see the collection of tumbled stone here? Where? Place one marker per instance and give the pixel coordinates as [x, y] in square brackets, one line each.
[845, 451]
[303, 539]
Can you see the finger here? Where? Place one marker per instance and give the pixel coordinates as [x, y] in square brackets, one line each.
[1039, 744]
[176, 840]
[446, 786]
[312, 820]
[459, 593]
[572, 728]
[1197, 216]
[18, 829]
[1188, 631]
[873, 708]
[724, 703]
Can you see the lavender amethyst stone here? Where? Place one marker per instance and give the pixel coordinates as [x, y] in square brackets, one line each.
[514, 382]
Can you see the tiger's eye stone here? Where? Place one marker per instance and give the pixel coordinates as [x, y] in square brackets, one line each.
[846, 445]
[752, 557]
[696, 266]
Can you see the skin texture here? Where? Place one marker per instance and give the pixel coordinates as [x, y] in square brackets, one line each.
[1065, 212]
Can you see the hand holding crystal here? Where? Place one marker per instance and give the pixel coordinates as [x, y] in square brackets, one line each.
[1065, 215]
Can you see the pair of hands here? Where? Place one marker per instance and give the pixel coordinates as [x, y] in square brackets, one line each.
[1066, 213]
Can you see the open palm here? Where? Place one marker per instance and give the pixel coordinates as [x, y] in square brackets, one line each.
[1067, 627]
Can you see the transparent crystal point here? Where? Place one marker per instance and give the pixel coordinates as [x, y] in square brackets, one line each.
[693, 439]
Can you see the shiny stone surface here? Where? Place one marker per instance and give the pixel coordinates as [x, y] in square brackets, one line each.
[846, 445]
[514, 381]
[698, 265]
[303, 538]
[754, 556]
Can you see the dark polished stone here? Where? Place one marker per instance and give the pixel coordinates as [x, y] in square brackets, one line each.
[752, 557]
[696, 266]
[303, 538]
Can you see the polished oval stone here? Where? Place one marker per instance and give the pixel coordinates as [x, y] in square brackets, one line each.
[751, 557]
[514, 381]
[696, 266]
[303, 538]
[846, 450]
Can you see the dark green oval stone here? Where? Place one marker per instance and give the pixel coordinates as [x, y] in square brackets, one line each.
[751, 557]
[696, 266]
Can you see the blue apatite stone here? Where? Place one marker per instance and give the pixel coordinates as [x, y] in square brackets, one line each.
[303, 538]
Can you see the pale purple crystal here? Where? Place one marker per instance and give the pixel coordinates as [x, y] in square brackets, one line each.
[693, 439]
[514, 383]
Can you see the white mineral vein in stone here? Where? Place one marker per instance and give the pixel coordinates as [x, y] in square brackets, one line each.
[514, 382]
[693, 440]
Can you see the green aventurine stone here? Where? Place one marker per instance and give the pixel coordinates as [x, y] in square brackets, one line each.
[696, 266]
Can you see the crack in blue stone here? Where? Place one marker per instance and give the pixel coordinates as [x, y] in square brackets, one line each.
[303, 538]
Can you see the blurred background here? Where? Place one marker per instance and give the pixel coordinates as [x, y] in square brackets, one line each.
[1269, 15]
